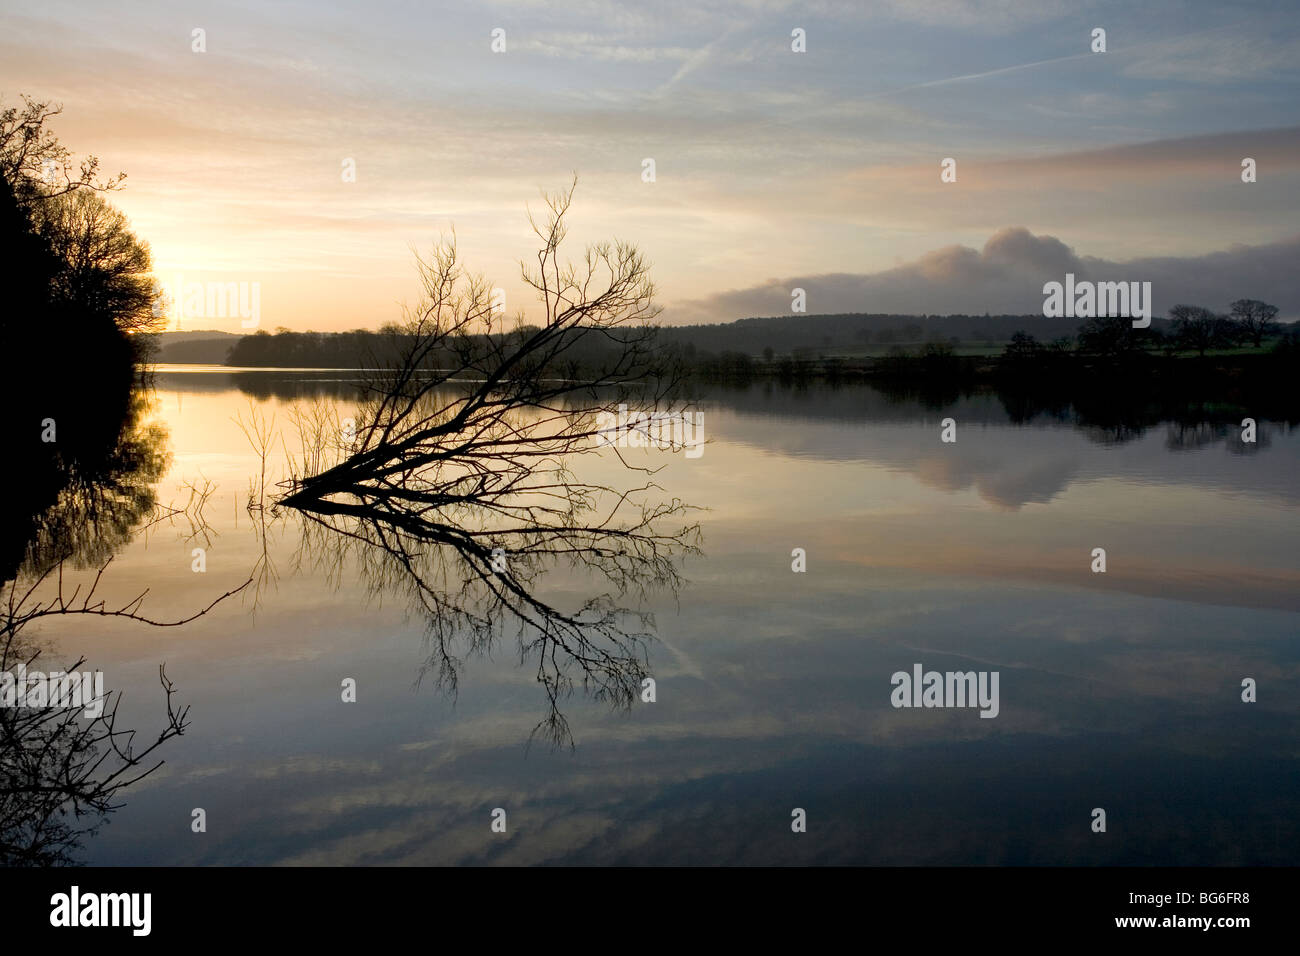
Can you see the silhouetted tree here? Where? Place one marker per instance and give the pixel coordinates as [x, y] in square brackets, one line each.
[1022, 347]
[104, 268]
[33, 162]
[465, 452]
[1255, 319]
[1109, 337]
[70, 263]
[1200, 329]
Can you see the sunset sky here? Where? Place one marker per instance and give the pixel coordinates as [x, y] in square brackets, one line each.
[774, 168]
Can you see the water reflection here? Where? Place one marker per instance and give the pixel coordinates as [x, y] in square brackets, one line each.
[465, 500]
[88, 483]
[64, 770]
[87, 491]
[79, 495]
[1119, 690]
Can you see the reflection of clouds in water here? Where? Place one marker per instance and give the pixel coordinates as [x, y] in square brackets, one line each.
[709, 773]
[1004, 483]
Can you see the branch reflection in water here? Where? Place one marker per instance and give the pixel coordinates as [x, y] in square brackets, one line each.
[458, 480]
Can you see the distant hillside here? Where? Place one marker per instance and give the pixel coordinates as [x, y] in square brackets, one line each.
[796, 336]
[204, 347]
[783, 334]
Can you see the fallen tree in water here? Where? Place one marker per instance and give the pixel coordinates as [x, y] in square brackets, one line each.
[459, 475]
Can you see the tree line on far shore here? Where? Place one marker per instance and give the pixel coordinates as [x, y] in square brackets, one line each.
[1190, 330]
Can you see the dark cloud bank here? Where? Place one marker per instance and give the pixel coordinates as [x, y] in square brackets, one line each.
[1007, 277]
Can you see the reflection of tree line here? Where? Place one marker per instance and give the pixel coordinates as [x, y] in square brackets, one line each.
[1124, 406]
[1119, 409]
[1111, 412]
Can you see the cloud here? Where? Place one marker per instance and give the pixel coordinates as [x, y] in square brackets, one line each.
[1217, 56]
[983, 15]
[1007, 276]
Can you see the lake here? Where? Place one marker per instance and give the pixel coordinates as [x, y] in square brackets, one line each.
[1120, 690]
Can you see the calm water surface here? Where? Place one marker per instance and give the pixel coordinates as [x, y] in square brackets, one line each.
[1119, 690]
